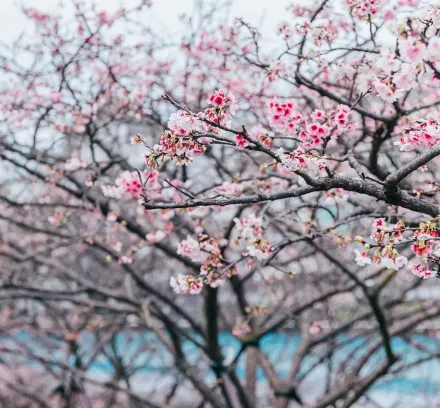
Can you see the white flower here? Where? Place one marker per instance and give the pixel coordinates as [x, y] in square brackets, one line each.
[182, 120]
[387, 61]
[387, 93]
[185, 284]
[387, 263]
[249, 226]
[257, 253]
[362, 258]
[413, 51]
[404, 147]
[400, 261]
[191, 249]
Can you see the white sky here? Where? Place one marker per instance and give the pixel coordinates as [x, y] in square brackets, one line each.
[270, 12]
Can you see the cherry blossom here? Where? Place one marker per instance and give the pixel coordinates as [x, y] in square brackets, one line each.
[387, 89]
[413, 50]
[259, 248]
[363, 8]
[191, 249]
[285, 30]
[128, 184]
[422, 271]
[264, 158]
[300, 160]
[362, 258]
[183, 123]
[186, 284]
[241, 141]
[231, 188]
[224, 101]
[136, 139]
[249, 227]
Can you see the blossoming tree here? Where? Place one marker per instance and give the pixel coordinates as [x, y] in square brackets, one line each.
[169, 207]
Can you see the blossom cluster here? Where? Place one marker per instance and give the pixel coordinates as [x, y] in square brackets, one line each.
[189, 132]
[363, 8]
[231, 188]
[421, 133]
[176, 147]
[250, 230]
[282, 117]
[392, 74]
[433, 14]
[129, 184]
[313, 131]
[278, 69]
[324, 33]
[285, 30]
[183, 123]
[249, 227]
[186, 284]
[213, 270]
[424, 245]
[236, 188]
[299, 160]
[262, 135]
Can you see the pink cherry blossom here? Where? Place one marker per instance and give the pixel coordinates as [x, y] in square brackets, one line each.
[190, 248]
[259, 248]
[362, 8]
[241, 141]
[265, 158]
[413, 50]
[422, 271]
[186, 284]
[249, 227]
